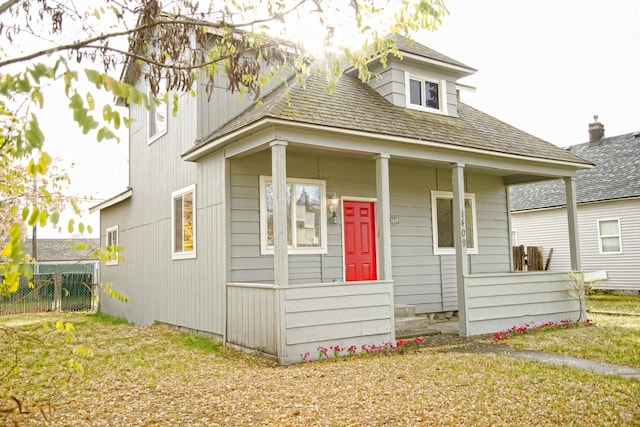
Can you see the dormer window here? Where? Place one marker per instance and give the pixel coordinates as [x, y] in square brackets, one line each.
[424, 94]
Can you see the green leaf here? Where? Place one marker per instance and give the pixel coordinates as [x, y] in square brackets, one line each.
[33, 217]
[70, 226]
[33, 134]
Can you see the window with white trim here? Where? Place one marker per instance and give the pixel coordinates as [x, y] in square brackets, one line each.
[442, 221]
[183, 223]
[425, 94]
[112, 246]
[306, 216]
[157, 120]
[609, 236]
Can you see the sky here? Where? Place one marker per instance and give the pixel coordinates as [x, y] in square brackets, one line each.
[546, 67]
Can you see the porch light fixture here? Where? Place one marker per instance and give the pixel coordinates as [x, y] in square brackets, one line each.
[333, 207]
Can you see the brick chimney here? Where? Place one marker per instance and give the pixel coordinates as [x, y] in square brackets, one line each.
[596, 132]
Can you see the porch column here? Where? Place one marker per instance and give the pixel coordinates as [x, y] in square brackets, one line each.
[572, 221]
[280, 249]
[460, 243]
[383, 213]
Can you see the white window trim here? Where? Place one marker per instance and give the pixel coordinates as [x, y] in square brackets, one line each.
[108, 231]
[600, 236]
[164, 105]
[442, 93]
[434, 222]
[178, 193]
[266, 250]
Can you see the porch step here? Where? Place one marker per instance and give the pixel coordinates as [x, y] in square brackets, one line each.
[404, 310]
[408, 325]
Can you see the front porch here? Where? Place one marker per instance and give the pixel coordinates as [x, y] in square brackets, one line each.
[284, 323]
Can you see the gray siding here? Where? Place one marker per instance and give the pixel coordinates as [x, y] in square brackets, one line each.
[347, 177]
[420, 278]
[426, 280]
[188, 293]
[390, 83]
[252, 318]
[499, 302]
[336, 314]
[223, 105]
[548, 228]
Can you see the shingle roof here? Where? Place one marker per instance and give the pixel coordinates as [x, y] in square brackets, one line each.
[407, 46]
[61, 249]
[355, 106]
[616, 176]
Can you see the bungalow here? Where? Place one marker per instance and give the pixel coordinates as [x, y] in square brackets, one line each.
[300, 222]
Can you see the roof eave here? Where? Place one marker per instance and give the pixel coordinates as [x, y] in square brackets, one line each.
[198, 152]
[112, 201]
[456, 69]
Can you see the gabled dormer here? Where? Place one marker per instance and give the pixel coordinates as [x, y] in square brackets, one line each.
[423, 79]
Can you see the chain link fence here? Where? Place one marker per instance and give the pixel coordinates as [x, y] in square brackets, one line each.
[52, 291]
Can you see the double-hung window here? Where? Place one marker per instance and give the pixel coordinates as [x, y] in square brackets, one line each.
[157, 120]
[183, 223]
[112, 246]
[443, 226]
[306, 216]
[609, 236]
[425, 94]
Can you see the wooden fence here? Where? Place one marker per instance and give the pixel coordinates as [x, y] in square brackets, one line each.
[530, 258]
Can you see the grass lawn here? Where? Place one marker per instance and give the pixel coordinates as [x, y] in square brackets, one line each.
[151, 376]
[611, 338]
[614, 303]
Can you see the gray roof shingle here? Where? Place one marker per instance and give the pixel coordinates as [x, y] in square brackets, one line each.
[61, 249]
[407, 46]
[616, 176]
[355, 106]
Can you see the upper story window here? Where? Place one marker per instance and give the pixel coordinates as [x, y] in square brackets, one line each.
[157, 120]
[425, 94]
[306, 216]
[442, 218]
[183, 223]
[112, 246]
[609, 236]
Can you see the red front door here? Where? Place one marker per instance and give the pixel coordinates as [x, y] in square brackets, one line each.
[359, 241]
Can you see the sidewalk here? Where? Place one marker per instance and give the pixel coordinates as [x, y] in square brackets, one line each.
[451, 328]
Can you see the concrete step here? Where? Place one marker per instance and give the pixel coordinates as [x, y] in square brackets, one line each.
[411, 327]
[404, 310]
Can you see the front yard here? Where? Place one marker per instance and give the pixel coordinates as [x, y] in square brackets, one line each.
[155, 376]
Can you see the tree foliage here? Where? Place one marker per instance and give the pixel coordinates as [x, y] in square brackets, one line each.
[169, 47]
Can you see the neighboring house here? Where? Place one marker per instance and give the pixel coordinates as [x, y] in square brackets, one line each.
[608, 198]
[302, 222]
[72, 255]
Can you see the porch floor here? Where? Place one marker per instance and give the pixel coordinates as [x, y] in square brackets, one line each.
[408, 325]
[450, 327]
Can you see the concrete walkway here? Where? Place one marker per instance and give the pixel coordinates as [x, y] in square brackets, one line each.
[451, 328]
